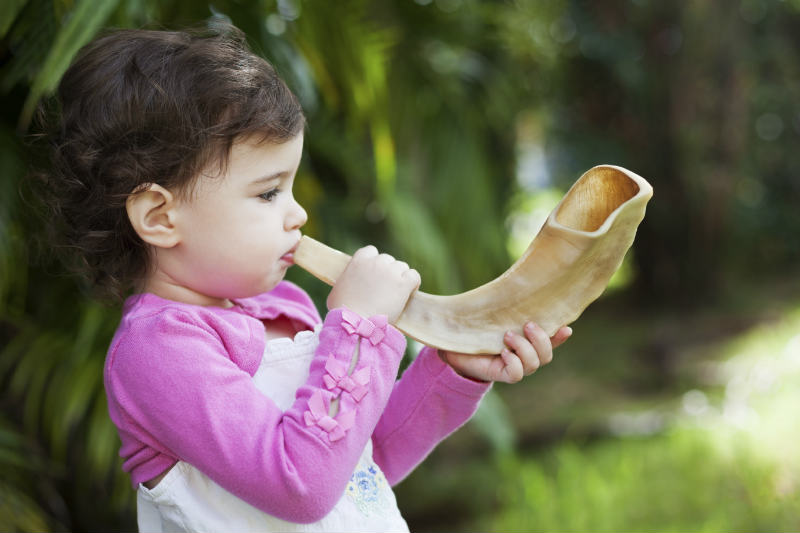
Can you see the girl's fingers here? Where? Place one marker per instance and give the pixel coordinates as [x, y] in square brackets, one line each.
[408, 274]
[540, 341]
[366, 252]
[561, 335]
[525, 351]
[513, 368]
[385, 259]
[413, 277]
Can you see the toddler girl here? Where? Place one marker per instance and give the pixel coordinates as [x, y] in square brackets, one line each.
[238, 407]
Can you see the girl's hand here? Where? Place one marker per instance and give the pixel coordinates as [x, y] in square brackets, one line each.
[522, 357]
[374, 284]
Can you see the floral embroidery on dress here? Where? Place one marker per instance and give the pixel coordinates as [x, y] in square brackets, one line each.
[369, 489]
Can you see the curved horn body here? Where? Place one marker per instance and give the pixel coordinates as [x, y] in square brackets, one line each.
[565, 268]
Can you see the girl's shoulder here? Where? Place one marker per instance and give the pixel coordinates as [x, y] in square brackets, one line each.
[154, 325]
[286, 299]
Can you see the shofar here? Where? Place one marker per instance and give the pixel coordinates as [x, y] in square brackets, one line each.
[565, 268]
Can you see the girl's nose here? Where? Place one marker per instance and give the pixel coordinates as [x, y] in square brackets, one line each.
[296, 216]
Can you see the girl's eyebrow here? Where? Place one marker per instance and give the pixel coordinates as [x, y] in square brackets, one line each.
[266, 179]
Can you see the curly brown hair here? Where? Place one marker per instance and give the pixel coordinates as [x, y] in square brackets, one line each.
[139, 107]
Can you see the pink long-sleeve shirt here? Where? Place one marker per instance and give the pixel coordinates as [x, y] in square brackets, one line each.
[179, 384]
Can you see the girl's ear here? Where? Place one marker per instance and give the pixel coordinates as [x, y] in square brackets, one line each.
[152, 211]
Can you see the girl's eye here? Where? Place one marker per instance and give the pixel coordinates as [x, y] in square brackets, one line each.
[269, 195]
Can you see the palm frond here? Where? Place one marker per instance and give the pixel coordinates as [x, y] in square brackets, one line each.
[29, 41]
[83, 23]
[8, 13]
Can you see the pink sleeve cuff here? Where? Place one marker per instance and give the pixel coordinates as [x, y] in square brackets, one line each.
[446, 376]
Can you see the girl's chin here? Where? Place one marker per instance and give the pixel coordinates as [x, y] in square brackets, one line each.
[273, 281]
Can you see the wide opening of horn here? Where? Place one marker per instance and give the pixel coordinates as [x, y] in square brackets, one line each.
[594, 197]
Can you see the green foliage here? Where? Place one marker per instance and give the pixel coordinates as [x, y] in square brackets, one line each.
[675, 482]
[375, 171]
[83, 23]
[715, 453]
[419, 113]
[697, 98]
[726, 461]
[8, 12]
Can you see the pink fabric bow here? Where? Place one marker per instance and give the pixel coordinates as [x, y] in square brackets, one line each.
[337, 378]
[318, 414]
[372, 329]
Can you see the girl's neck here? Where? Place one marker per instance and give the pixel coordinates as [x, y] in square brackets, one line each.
[165, 288]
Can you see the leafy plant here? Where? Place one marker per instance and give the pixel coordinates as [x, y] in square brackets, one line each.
[378, 169]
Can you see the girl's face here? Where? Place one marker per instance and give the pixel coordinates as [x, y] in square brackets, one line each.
[239, 230]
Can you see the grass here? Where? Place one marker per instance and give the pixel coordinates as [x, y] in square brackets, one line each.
[678, 481]
[607, 444]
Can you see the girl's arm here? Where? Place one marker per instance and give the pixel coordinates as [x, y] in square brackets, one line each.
[432, 400]
[173, 384]
[427, 404]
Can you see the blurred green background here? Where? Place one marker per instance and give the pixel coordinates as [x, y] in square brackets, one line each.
[444, 131]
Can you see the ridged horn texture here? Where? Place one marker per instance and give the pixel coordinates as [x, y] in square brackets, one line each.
[565, 268]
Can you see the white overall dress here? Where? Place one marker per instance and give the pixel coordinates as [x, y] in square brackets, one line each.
[187, 500]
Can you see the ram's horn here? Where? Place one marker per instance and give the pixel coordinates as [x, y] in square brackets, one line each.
[565, 268]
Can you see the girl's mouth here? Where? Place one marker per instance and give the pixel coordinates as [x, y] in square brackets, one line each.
[289, 256]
